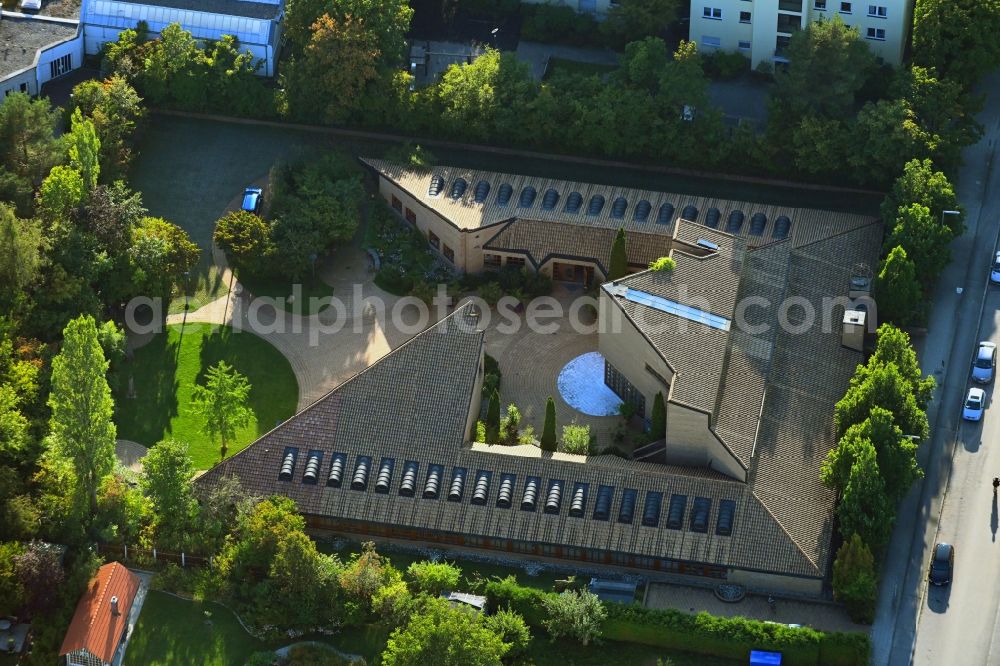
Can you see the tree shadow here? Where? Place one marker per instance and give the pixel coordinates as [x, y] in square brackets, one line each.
[145, 416]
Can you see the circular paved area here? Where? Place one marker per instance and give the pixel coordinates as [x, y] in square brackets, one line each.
[581, 385]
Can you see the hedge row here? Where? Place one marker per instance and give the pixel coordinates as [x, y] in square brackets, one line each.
[731, 638]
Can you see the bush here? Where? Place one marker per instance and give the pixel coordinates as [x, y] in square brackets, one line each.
[662, 264]
[433, 577]
[576, 439]
[576, 614]
[392, 278]
[508, 594]
[511, 628]
[725, 64]
[559, 24]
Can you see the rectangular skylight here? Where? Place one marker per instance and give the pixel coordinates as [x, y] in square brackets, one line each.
[678, 309]
[708, 244]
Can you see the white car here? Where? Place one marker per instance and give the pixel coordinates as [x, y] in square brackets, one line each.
[31, 4]
[986, 361]
[975, 402]
[995, 271]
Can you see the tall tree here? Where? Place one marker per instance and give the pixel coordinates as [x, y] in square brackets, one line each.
[618, 265]
[62, 192]
[882, 385]
[167, 471]
[957, 37]
[644, 63]
[28, 146]
[84, 149]
[116, 110]
[924, 238]
[921, 184]
[829, 52]
[21, 244]
[81, 428]
[493, 419]
[161, 254]
[886, 134]
[893, 346]
[898, 293]
[864, 508]
[222, 401]
[548, 439]
[855, 581]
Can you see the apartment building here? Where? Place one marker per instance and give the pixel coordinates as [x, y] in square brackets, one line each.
[761, 29]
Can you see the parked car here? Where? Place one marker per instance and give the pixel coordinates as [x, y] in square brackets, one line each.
[251, 199]
[942, 564]
[995, 272]
[985, 363]
[31, 4]
[975, 402]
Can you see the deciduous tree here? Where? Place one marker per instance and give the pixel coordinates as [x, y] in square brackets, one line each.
[957, 37]
[629, 20]
[81, 428]
[222, 401]
[433, 578]
[898, 293]
[881, 386]
[855, 581]
[439, 634]
[864, 508]
[62, 192]
[246, 240]
[116, 110]
[84, 149]
[21, 245]
[575, 614]
[920, 183]
[167, 471]
[924, 239]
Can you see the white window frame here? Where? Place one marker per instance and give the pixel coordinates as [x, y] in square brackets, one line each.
[705, 41]
[819, 5]
[873, 33]
[713, 13]
[877, 11]
[742, 47]
[749, 17]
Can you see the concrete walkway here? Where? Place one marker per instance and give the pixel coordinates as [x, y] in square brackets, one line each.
[133, 616]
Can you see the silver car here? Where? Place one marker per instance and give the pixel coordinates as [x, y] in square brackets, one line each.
[985, 363]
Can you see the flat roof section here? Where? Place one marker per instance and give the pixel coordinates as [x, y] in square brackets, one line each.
[254, 10]
[21, 38]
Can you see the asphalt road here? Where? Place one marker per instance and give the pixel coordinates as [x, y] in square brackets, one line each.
[958, 624]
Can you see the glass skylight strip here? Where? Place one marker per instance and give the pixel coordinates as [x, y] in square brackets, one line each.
[678, 309]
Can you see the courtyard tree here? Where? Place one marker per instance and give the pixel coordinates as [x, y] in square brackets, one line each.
[897, 292]
[160, 256]
[575, 614]
[864, 508]
[81, 427]
[855, 581]
[827, 51]
[222, 402]
[618, 265]
[548, 439]
[433, 578]
[440, 634]
[167, 471]
[921, 184]
[84, 149]
[957, 37]
[246, 240]
[493, 419]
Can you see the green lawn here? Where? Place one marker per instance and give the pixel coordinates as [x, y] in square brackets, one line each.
[205, 286]
[575, 67]
[174, 632]
[166, 370]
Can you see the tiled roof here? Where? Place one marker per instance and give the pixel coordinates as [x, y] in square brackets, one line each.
[94, 628]
[411, 408]
[542, 241]
[803, 225]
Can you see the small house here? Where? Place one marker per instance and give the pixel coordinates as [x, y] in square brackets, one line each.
[101, 619]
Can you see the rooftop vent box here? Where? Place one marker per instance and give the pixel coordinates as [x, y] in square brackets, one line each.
[854, 330]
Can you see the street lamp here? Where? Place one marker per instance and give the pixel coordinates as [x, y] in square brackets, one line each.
[494, 32]
[949, 212]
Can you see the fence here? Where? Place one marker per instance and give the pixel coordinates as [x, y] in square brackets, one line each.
[146, 556]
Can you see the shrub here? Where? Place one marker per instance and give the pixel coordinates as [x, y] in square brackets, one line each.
[855, 582]
[662, 264]
[510, 426]
[412, 156]
[433, 577]
[576, 439]
[491, 292]
[392, 278]
[511, 628]
[576, 614]
[246, 240]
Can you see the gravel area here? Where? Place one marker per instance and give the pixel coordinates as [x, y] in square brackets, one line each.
[61, 8]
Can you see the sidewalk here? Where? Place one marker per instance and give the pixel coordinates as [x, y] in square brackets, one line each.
[957, 305]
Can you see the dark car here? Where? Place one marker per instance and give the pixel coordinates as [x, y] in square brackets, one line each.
[251, 199]
[942, 564]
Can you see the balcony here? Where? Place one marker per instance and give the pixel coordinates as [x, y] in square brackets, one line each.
[790, 6]
[788, 24]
